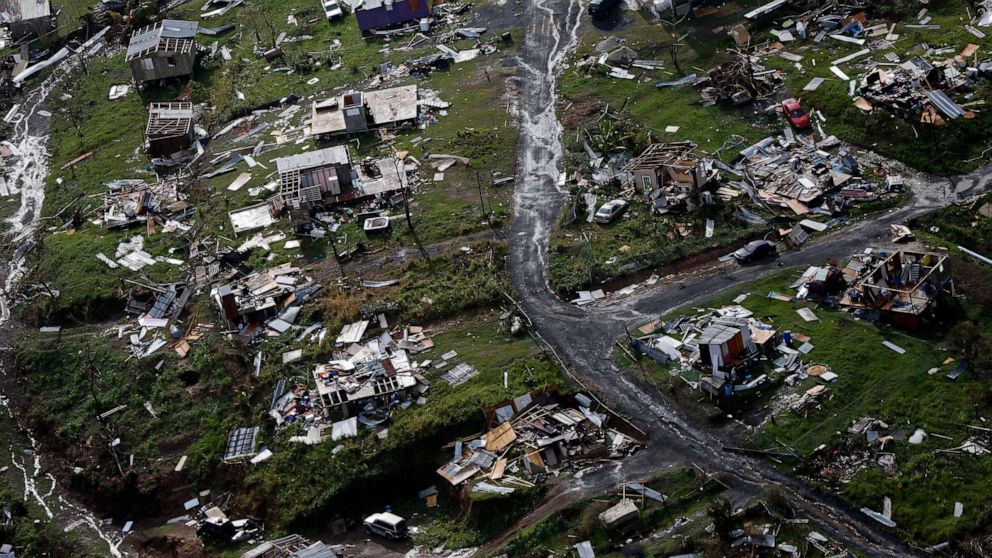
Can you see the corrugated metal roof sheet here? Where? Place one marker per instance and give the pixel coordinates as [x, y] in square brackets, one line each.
[945, 104]
[337, 155]
[149, 37]
[23, 10]
[717, 335]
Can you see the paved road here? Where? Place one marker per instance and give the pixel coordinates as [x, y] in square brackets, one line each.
[584, 336]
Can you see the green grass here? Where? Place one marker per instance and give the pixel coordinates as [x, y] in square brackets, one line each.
[658, 108]
[72, 380]
[301, 482]
[587, 254]
[874, 381]
[946, 150]
[476, 126]
[687, 494]
[959, 224]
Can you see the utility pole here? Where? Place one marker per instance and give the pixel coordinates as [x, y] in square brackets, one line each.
[409, 223]
[406, 207]
[482, 200]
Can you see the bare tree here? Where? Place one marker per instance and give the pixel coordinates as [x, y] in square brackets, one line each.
[260, 21]
[672, 21]
[71, 107]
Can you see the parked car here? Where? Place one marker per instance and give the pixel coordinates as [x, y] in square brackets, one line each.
[610, 211]
[795, 114]
[754, 251]
[599, 8]
[332, 9]
[388, 525]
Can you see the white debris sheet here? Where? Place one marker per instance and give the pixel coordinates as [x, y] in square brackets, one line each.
[240, 181]
[352, 333]
[894, 347]
[459, 374]
[251, 218]
[807, 315]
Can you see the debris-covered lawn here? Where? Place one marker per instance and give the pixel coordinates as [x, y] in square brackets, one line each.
[873, 411]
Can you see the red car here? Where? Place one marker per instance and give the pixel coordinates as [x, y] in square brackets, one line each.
[795, 114]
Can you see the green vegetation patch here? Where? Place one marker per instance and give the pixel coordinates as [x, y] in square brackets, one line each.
[895, 388]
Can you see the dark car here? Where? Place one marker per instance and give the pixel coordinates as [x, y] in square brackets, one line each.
[599, 8]
[754, 251]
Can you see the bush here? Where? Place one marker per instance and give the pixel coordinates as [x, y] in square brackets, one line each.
[721, 513]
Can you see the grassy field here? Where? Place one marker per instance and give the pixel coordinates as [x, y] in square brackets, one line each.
[945, 150]
[477, 126]
[72, 379]
[688, 494]
[586, 255]
[897, 389]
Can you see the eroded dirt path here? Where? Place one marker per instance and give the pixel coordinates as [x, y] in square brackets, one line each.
[584, 336]
[26, 179]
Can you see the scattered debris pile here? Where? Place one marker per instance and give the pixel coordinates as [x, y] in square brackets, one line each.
[739, 81]
[793, 172]
[213, 524]
[264, 302]
[726, 344]
[536, 434]
[291, 546]
[362, 385]
[920, 88]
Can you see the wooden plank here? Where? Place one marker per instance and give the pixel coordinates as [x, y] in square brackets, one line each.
[498, 469]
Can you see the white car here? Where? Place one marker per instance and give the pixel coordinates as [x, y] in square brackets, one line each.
[387, 525]
[610, 211]
[332, 9]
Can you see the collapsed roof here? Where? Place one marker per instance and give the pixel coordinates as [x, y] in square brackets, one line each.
[168, 35]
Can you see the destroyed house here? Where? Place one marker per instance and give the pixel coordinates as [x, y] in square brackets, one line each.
[169, 129]
[382, 14]
[355, 113]
[535, 433]
[672, 174]
[725, 343]
[795, 173]
[905, 287]
[726, 351]
[346, 389]
[163, 50]
[132, 202]
[316, 176]
[253, 301]
[27, 18]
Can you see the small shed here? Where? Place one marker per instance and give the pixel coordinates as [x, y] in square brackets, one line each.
[380, 14]
[722, 343]
[27, 19]
[170, 128]
[163, 50]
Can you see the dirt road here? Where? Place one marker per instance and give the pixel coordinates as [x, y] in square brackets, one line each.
[584, 336]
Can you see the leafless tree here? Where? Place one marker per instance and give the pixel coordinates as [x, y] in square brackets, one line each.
[672, 21]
